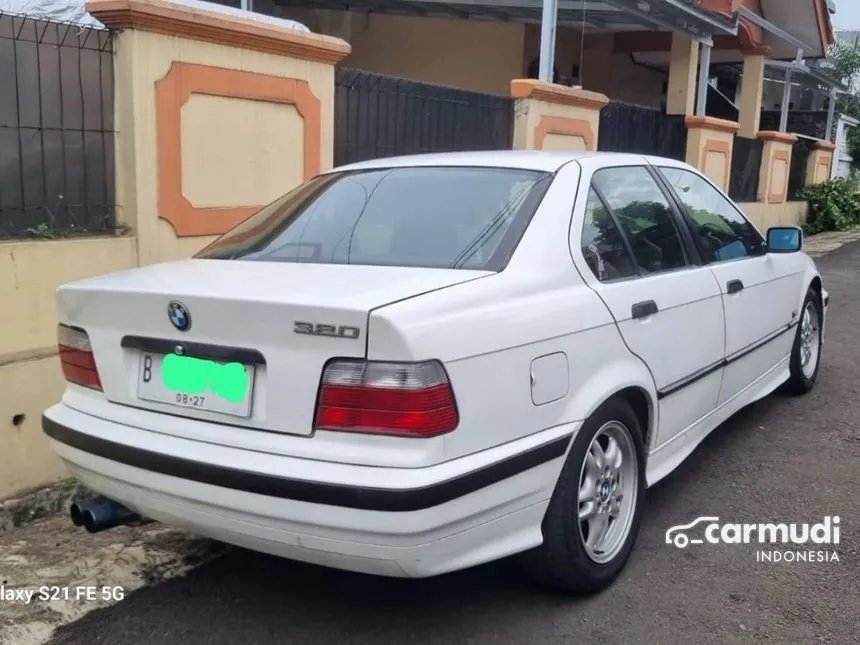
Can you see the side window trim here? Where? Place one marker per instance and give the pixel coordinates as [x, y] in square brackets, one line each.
[617, 224]
[682, 218]
[689, 223]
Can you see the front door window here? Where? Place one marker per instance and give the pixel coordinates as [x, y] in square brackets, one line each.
[720, 230]
[645, 216]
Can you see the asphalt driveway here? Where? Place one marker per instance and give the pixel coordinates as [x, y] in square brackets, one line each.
[782, 460]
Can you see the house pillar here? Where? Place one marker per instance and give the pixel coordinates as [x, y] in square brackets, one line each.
[555, 117]
[820, 162]
[683, 71]
[183, 72]
[775, 166]
[752, 90]
[710, 143]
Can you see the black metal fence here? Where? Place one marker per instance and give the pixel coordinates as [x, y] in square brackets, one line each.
[625, 127]
[811, 123]
[380, 116]
[746, 169]
[56, 129]
[797, 173]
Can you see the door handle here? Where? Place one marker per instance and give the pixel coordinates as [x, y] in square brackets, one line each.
[644, 309]
[734, 286]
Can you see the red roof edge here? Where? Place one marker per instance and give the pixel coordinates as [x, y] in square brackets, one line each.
[825, 26]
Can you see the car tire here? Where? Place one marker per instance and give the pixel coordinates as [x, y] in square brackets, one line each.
[807, 347]
[565, 561]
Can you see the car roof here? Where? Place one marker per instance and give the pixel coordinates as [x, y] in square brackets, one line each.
[547, 161]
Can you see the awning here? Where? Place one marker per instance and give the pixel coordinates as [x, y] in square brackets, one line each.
[808, 77]
[609, 15]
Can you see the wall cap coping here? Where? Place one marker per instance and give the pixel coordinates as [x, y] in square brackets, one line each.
[160, 16]
[711, 123]
[781, 137]
[824, 145]
[529, 88]
[27, 355]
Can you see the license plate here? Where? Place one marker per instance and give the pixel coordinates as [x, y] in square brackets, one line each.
[196, 383]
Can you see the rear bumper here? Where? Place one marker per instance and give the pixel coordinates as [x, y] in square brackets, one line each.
[463, 513]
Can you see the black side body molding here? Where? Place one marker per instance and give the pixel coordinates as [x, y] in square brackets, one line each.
[710, 369]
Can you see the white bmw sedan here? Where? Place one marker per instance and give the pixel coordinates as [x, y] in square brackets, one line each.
[411, 366]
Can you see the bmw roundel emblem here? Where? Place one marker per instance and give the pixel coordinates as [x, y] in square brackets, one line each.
[179, 316]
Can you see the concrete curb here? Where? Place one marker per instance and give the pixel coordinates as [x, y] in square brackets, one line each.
[816, 246]
[39, 503]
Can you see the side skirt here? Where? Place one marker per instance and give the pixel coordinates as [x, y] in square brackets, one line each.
[667, 457]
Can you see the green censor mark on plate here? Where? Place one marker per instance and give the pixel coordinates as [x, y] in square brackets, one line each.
[192, 375]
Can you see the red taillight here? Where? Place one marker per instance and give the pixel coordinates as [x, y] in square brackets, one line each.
[76, 357]
[403, 399]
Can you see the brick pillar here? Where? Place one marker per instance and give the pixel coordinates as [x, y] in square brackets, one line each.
[216, 114]
[820, 162]
[710, 143]
[775, 166]
[555, 117]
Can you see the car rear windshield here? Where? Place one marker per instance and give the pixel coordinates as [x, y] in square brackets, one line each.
[439, 217]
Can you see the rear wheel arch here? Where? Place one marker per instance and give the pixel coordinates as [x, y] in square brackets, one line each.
[623, 375]
[643, 406]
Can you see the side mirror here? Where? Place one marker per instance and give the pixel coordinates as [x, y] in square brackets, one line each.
[784, 239]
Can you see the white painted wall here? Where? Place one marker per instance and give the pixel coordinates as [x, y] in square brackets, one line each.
[842, 160]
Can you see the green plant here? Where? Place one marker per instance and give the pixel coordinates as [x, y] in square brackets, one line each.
[41, 231]
[843, 58]
[833, 206]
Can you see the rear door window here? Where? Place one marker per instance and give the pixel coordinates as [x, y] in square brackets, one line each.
[602, 244]
[445, 217]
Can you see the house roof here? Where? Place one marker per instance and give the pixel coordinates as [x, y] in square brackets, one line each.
[824, 10]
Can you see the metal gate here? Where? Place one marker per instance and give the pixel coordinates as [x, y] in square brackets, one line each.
[381, 116]
[625, 127]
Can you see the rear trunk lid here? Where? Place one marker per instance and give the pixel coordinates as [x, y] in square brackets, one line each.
[274, 326]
